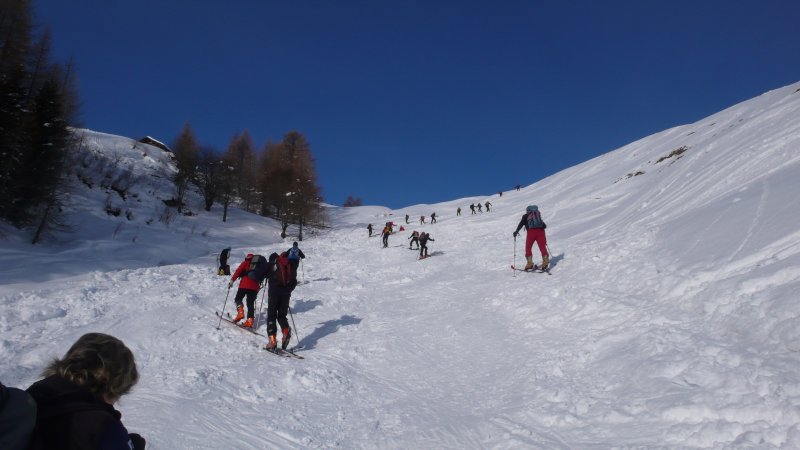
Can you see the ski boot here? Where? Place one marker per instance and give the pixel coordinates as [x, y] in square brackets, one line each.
[287, 336]
[529, 265]
[545, 262]
[248, 323]
[272, 345]
[239, 313]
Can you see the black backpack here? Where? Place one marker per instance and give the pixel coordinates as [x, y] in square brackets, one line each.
[17, 418]
[258, 268]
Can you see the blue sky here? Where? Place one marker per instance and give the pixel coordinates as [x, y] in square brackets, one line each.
[421, 101]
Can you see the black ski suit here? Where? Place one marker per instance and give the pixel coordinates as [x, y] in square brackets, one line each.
[423, 242]
[278, 299]
[414, 239]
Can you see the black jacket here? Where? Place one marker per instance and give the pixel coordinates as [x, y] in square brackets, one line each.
[70, 417]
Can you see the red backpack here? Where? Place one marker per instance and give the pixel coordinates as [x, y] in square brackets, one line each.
[283, 274]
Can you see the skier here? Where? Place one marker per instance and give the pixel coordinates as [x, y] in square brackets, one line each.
[406, 219]
[387, 230]
[249, 288]
[414, 239]
[76, 397]
[421, 219]
[479, 208]
[488, 205]
[279, 293]
[532, 221]
[433, 217]
[224, 268]
[501, 193]
[472, 208]
[369, 228]
[295, 255]
[458, 211]
[423, 242]
[518, 186]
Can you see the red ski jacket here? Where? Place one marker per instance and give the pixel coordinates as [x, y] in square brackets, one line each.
[241, 271]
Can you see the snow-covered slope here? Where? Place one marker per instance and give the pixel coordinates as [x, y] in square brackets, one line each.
[670, 319]
[117, 217]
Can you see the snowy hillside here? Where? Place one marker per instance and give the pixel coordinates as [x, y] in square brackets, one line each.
[116, 212]
[669, 320]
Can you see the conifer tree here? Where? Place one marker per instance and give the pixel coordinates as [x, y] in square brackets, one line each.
[34, 123]
[47, 158]
[187, 151]
[209, 174]
[290, 182]
[15, 35]
[352, 201]
[241, 157]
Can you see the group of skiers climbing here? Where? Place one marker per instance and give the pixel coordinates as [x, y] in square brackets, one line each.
[279, 272]
[421, 239]
[478, 205]
[531, 221]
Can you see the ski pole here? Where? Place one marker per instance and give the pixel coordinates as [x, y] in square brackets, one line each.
[303, 271]
[258, 317]
[223, 308]
[515, 255]
[296, 334]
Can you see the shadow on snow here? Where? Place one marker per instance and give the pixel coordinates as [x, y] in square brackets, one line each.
[327, 328]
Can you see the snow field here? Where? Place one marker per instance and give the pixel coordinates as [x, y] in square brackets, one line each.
[669, 320]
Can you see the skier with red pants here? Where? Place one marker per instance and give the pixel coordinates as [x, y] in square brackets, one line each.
[249, 288]
[532, 221]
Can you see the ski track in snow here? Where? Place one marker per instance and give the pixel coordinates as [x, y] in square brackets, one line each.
[669, 321]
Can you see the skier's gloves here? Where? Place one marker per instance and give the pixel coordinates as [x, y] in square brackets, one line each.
[230, 285]
[138, 441]
[515, 234]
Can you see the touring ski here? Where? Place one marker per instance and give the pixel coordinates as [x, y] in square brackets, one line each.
[283, 353]
[535, 269]
[237, 325]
